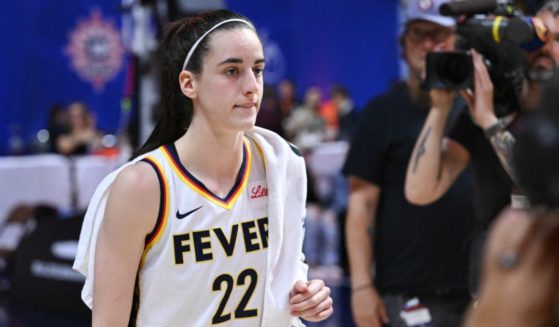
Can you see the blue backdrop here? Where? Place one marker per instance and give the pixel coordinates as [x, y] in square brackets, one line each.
[335, 41]
[36, 70]
[314, 42]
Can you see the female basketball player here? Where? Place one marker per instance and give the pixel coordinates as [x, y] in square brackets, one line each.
[204, 227]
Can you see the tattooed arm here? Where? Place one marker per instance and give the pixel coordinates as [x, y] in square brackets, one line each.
[435, 161]
[482, 111]
[503, 143]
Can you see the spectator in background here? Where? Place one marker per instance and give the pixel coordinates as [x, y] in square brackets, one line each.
[305, 127]
[287, 94]
[269, 115]
[82, 136]
[329, 112]
[337, 110]
[419, 253]
[347, 115]
[57, 125]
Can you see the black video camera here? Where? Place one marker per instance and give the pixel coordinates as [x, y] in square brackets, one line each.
[501, 34]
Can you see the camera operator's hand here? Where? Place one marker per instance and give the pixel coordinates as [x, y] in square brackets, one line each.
[441, 99]
[480, 103]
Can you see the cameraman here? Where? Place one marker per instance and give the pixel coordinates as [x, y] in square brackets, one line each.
[549, 14]
[541, 63]
[520, 285]
[478, 137]
[418, 252]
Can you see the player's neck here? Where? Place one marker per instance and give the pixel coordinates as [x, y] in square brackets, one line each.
[215, 160]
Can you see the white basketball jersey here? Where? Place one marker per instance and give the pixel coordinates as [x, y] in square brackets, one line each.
[205, 262]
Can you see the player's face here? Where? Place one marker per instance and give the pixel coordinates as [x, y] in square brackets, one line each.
[423, 37]
[231, 84]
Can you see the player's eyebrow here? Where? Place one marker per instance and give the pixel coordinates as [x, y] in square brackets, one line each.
[239, 61]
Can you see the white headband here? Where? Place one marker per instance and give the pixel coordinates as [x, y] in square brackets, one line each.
[208, 32]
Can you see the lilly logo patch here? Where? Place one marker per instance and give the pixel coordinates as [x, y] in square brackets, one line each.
[258, 192]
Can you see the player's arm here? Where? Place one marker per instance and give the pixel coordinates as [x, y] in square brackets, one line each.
[310, 300]
[436, 161]
[367, 306]
[130, 215]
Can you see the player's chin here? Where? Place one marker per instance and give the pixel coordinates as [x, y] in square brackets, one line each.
[246, 124]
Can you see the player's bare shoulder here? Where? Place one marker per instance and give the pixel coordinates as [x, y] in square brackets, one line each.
[137, 178]
[134, 195]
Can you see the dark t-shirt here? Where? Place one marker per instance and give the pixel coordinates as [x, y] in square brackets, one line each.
[416, 248]
[493, 186]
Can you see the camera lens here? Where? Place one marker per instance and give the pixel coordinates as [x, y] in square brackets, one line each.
[449, 70]
[453, 70]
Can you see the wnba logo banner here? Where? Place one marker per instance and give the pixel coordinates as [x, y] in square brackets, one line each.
[95, 50]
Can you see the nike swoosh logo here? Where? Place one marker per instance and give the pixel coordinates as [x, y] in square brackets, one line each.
[183, 215]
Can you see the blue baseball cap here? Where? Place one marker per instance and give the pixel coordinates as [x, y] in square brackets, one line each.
[428, 10]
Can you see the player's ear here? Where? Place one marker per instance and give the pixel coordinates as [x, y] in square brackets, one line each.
[187, 84]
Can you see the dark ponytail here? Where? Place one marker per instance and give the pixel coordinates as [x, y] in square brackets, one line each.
[176, 110]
